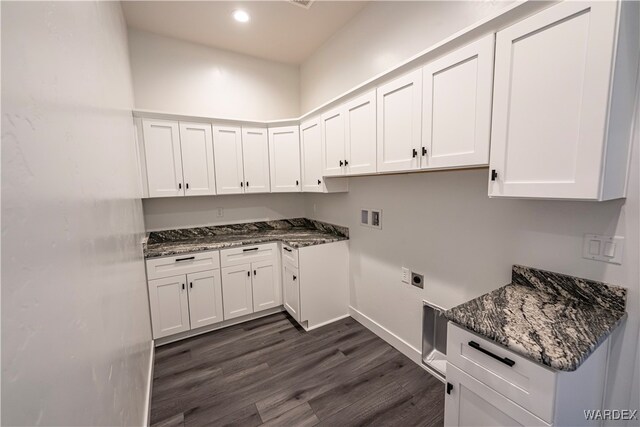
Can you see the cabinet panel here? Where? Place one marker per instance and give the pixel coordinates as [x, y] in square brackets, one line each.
[471, 403]
[311, 152]
[227, 144]
[255, 154]
[162, 158]
[284, 159]
[333, 153]
[291, 290]
[247, 254]
[266, 286]
[399, 123]
[205, 298]
[236, 291]
[457, 107]
[197, 159]
[360, 125]
[552, 80]
[169, 306]
[182, 264]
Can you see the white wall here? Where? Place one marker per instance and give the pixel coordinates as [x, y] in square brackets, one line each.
[443, 224]
[186, 78]
[75, 322]
[185, 212]
[382, 35]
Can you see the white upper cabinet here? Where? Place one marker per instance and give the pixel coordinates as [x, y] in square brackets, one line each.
[284, 159]
[456, 124]
[255, 153]
[227, 145]
[333, 142]
[311, 153]
[556, 131]
[360, 134]
[197, 159]
[399, 123]
[163, 158]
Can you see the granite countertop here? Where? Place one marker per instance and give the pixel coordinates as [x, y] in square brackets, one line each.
[550, 318]
[297, 233]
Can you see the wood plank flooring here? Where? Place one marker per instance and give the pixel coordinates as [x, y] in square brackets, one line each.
[271, 372]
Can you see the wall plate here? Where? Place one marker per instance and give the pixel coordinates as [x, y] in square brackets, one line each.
[603, 248]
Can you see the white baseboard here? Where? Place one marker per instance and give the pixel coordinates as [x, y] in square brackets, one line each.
[395, 341]
[147, 409]
[319, 325]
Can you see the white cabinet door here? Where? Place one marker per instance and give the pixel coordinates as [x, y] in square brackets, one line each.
[255, 153]
[205, 298]
[169, 306]
[457, 107]
[399, 123]
[311, 152]
[197, 159]
[550, 100]
[360, 126]
[469, 402]
[227, 149]
[162, 157]
[291, 290]
[333, 153]
[266, 286]
[236, 291]
[284, 159]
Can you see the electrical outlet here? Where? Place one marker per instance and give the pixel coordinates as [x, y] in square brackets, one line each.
[364, 217]
[220, 212]
[417, 280]
[406, 275]
[376, 218]
[603, 248]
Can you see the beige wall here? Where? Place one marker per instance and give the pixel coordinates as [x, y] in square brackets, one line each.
[76, 336]
[179, 77]
[381, 36]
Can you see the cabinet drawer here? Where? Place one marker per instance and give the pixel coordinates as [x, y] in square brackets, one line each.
[247, 254]
[182, 264]
[528, 384]
[290, 255]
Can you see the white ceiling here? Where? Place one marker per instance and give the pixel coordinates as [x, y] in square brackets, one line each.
[278, 30]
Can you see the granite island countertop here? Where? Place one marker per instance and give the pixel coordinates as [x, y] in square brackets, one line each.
[297, 233]
[550, 318]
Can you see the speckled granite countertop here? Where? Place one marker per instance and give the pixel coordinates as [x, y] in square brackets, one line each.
[551, 318]
[297, 233]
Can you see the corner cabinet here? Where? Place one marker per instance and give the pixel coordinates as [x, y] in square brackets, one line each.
[284, 159]
[315, 283]
[563, 102]
[311, 161]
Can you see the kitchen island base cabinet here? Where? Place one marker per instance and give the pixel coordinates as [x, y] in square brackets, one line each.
[315, 283]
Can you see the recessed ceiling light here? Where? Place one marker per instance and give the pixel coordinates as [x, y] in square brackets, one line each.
[241, 16]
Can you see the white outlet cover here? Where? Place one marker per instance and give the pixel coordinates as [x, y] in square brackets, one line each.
[603, 248]
[406, 275]
[220, 212]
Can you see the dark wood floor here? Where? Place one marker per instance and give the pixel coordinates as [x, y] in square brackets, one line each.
[270, 372]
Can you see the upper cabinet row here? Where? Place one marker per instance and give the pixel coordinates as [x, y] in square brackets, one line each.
[546, 103]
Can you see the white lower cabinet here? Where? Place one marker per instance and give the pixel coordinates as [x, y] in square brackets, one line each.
[250, 279]
[181, 303]
[236, 288]
[472, 403]
[315, 283]
[169, 306]
[489, 385]
[291, 290]
[205, 298]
